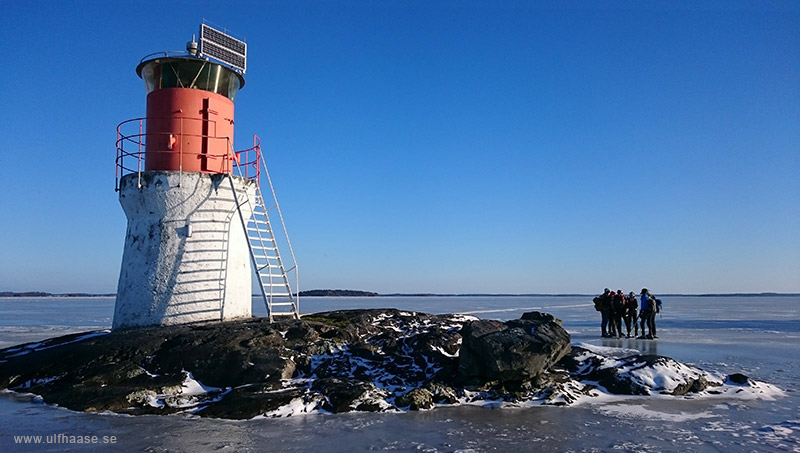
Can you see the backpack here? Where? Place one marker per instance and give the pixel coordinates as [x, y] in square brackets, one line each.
[658, 305]
[652, 307]
[598, 303]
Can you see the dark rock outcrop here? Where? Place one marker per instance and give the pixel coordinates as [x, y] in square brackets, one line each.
[514, 351]
[334, 361]
[339, 361]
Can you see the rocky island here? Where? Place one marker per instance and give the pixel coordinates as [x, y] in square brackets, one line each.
[339, 361]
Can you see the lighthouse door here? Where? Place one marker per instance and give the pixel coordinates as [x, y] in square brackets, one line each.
[216, 155]
[209, 155]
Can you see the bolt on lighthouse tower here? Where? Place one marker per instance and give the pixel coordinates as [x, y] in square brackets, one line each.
[198, 225]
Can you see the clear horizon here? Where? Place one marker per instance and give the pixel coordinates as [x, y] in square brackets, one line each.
[456, 147]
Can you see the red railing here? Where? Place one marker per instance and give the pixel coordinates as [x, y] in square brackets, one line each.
[248, 161]
[132, 149]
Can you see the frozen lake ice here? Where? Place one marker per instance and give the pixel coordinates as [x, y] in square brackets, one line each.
[757, 336]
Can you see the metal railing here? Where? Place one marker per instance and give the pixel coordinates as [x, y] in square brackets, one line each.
[248, 161]
[132, 149]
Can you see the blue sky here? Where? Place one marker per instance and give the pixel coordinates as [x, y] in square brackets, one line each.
[515, 147]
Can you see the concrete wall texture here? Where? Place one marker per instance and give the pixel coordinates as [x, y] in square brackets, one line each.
[186, 256]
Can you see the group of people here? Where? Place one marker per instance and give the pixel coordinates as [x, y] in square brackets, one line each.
[637, 313]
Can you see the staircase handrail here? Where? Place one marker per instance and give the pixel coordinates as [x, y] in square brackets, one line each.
[283, 225]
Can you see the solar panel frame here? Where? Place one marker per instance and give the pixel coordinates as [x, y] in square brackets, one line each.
[223, 47]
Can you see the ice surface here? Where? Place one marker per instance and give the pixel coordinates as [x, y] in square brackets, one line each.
[608, 350]
[759, 337]
[641, 412]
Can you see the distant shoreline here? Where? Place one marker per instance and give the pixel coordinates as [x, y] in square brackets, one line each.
[44, 294]
[355, 293]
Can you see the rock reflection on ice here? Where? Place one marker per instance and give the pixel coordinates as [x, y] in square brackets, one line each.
[638, 412]
[608, 351]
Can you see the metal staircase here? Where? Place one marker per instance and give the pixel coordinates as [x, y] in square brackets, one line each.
[274, 279]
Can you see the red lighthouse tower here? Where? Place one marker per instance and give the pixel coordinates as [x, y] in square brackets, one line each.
[198, 227]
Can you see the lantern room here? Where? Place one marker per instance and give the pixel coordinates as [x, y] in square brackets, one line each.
[189, 114]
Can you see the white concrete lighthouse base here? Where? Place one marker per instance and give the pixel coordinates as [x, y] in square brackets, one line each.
[186, 256]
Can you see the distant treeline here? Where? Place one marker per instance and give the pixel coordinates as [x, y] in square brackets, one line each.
[337, 293]
[43, 294]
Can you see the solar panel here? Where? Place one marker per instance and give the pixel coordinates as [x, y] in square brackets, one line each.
[223, 47]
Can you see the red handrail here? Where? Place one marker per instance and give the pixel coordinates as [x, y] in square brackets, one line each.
[248, 161]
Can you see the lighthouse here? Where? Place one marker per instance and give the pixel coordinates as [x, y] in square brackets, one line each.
[198, 223]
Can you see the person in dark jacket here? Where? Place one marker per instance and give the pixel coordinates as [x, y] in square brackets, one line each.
[631, 314]
[605, 313]
[618, 304]
[655, 308]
